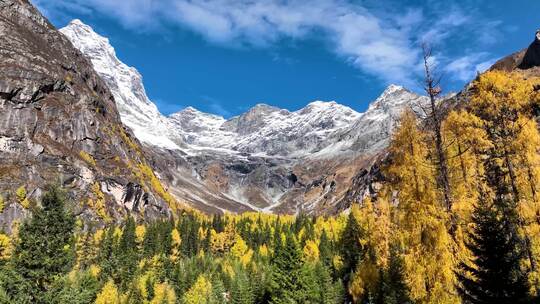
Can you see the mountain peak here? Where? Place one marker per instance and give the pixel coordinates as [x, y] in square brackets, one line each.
[263, 107]
[76, 22]
[322, 104]
[82, 29]
[392, 88]
[136, 109]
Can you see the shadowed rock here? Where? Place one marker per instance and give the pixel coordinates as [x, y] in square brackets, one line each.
[532, 55]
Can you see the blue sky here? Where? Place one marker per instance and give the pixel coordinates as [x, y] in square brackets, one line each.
[224, 56]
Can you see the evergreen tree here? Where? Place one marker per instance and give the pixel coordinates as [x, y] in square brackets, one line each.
[127, 254]
[495, 275]
[218, 292]
[45, 249]
[328, 291]
[287, 280]
[241, 291]
[106, 256]
[394, 289]
[325, 250]
[351, 248]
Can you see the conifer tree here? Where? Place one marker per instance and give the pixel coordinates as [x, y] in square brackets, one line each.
[45, 249]
[504, 102]
[325, 251]
[394, 289]
[218, 292]
[328, 291]
[423, 221]
[287, 279]
[495, 274]
[351, 247]
[435, 117]
[107, 255]
[127, 254]
[241, 291]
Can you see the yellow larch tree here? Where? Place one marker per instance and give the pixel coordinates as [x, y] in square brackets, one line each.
[504, 102]
[422, 218]
[200, 292]
[163, 294]
[108, 294]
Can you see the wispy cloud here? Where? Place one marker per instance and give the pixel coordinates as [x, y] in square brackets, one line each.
[216, 106]
[383, 44]
[465, 68]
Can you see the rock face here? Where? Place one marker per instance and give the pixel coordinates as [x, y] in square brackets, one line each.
[532, 55]
[59, 123]
[525, 60]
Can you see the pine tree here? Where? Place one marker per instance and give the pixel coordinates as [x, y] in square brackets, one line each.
[351, 248]
[394, 289]
[107, 255]
[45, 249]
[287, 279]
[325, 251]
[241, 291]
[328, 291]
[218, 292]
[127, 254]
[495, 275]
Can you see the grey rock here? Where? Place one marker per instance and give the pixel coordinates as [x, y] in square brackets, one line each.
[53, 107]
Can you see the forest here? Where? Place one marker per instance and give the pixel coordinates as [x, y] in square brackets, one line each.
[457, 220]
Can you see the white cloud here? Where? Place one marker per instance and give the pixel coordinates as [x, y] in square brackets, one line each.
[384, 45]
[465, 68]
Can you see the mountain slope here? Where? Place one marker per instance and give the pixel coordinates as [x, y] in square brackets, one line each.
[59, 123]
[267, 159]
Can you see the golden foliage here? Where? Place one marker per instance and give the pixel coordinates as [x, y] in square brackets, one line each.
[89, 159]
[200, 292]
[99, 205]
[20, 193]
[140, 231]
[428, 248]
[176, 241]
[2, 203]
[163, 294]
[108, 294]
[311, 251]
[5, 247]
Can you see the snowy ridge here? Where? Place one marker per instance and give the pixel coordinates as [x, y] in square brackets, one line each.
[125, 83]
[319, 129]
[247, 162]
[264, 129]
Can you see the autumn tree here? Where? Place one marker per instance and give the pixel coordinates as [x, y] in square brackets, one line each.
[423, 222]
[504, 103]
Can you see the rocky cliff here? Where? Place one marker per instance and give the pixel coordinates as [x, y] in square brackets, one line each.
[59, 123]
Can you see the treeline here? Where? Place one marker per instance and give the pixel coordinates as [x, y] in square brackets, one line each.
[458, 221]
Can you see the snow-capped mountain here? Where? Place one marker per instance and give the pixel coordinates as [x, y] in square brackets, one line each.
[371, 132]
[266, 159]
[136, 110]
[266, 130]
